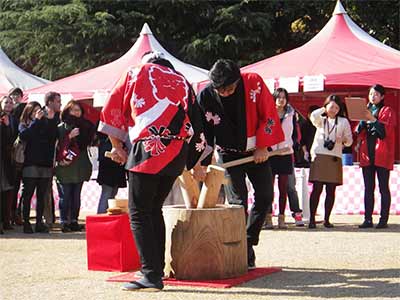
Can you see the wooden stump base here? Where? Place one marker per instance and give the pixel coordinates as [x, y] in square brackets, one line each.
[203, 244]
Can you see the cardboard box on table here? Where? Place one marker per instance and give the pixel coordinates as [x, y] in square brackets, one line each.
[110, 243]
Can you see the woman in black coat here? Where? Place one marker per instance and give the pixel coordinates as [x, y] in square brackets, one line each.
[111, 176]
[6, 168]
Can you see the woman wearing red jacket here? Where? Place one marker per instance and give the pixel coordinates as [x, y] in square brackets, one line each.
[376, 142]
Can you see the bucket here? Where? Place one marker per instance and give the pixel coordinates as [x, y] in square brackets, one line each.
[347, 159]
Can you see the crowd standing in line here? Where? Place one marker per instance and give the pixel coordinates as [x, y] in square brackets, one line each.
[30, 126]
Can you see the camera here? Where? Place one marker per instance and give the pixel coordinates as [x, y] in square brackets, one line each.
[44, 109]
[329, 144]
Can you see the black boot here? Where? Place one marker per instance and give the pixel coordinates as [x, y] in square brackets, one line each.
[27, 227]
[251, 258]
[366, 224]
[382, 224]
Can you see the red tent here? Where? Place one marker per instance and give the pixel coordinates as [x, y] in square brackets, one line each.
[98, 82]
[341, 58]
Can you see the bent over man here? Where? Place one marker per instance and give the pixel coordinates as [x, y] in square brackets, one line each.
[241, 120]
[156, 106]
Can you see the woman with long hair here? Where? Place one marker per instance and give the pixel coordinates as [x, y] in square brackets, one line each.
[333, 131]
[73, 164]
[38, 129]
[282, 165]
[376, 143]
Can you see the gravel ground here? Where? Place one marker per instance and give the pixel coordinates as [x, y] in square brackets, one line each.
[340, 263]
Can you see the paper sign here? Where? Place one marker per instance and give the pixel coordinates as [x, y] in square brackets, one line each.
[356, 108]
[313, 83]
[291, 84]
[99, 98]
[270, 83]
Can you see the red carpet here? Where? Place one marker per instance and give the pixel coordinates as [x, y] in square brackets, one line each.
[222, 283]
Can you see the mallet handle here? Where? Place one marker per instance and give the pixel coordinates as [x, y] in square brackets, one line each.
[248, 159]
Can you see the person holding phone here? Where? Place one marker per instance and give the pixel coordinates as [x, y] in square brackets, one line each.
[40, 135]
[376, 140]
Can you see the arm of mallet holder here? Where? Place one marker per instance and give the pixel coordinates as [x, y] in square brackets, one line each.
[216, 177]
[248, 159]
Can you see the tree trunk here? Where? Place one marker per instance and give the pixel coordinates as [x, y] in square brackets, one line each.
[203, 244]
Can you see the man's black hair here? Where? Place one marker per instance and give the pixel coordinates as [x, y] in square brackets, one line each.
[14, 91]
[50, 97]
[224, 72]
[162, 62]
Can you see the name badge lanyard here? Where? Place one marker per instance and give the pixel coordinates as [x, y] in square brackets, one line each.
[326, 124]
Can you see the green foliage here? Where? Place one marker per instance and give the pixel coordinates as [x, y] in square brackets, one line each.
[57, 38]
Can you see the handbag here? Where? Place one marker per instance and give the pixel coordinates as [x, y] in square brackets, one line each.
[68, 151]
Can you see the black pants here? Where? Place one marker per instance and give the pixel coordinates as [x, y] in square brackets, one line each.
[146, 196]
[369, 183]
[293, 197]
[260, 176]
[30, 184]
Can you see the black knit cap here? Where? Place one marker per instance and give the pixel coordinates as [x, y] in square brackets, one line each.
[224, 72]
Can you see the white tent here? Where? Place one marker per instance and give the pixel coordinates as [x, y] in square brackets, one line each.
[12, 76]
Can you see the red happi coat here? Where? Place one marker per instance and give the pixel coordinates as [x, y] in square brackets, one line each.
[157, 108]
[262, 118]
[384, 148]
[256, 123]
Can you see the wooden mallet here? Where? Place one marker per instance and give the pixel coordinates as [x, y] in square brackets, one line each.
[216, 176]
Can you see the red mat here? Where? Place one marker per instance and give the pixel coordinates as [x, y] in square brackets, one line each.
[222, 283]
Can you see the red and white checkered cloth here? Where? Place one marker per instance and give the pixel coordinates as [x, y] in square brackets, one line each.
[349, 197]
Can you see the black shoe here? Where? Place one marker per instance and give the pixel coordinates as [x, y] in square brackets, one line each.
[27, 227]
[366, 224]
[312, 225]
[251, 258]
[328, 225]
[143, 284]
[7, 226]
[65, 228]
[42, 228]
[381, 225]
[74, 226]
